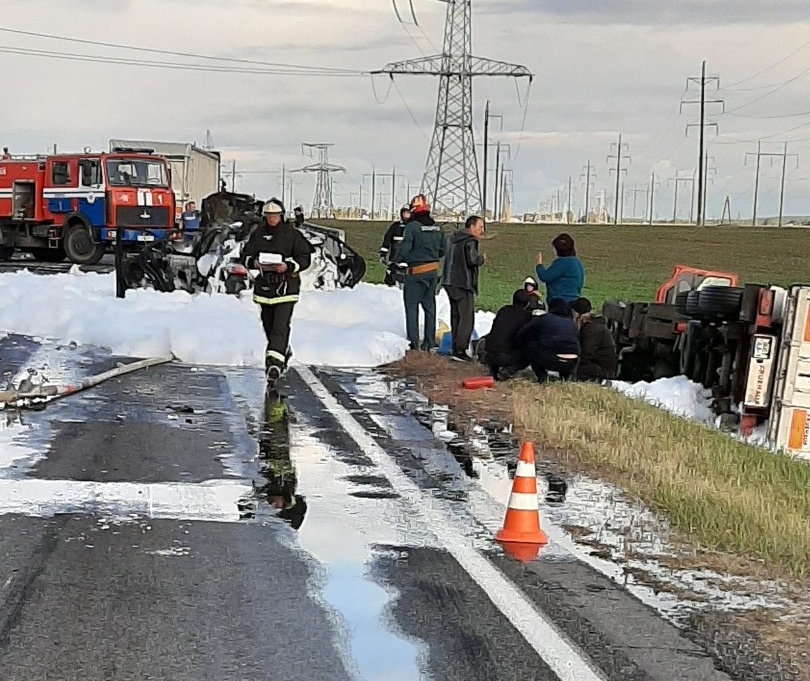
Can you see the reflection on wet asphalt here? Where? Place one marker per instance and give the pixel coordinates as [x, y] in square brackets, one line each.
[206, 530]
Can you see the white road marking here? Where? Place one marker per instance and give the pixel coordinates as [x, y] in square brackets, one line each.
[561, 655]
[212, 500]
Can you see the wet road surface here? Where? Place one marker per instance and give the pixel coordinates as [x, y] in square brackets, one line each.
[177, 524]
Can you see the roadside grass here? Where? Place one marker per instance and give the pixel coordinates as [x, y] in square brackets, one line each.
[721, 495]
[727, 495]
[626, 262]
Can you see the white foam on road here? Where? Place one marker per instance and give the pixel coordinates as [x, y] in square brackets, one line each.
[359, 327]
[211, 500]
[562, 656]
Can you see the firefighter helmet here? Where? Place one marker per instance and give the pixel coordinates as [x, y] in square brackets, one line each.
[419, 204]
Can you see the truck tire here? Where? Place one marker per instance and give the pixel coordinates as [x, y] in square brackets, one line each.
[692, 303]
[680, 301]
[720, 302]
[80, 247]
[49, 254]
[6, 252]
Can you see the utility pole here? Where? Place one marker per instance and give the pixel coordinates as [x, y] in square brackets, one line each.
[784, 156]
[619, 170]
[652, 198]
[706, 181]
[373, 177]
[486, 166]
[678, 180]
[284, 184]
[702, 82]
[569, 211]
[588, 174]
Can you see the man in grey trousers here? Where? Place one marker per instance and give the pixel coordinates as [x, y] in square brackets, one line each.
[460, 279]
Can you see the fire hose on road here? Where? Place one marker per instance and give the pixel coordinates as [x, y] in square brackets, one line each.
[42, 394]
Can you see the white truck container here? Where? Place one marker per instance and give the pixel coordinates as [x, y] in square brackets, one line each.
[195, 171]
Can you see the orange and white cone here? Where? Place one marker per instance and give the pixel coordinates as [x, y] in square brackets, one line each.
[521, 535]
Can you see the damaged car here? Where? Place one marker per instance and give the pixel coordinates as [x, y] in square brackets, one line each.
[209, 259]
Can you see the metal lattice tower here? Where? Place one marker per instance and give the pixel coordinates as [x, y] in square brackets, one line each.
[451, 179]
[322, 203]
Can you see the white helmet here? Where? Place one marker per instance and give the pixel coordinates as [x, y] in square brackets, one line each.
[272, 207]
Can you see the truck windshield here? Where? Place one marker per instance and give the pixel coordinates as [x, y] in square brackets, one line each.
[136, 172]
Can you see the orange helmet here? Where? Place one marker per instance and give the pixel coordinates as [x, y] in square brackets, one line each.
[419, 204]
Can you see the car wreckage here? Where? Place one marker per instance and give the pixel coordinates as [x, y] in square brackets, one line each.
[208, 260]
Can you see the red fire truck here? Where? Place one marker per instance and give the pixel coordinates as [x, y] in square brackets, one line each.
[72, 205]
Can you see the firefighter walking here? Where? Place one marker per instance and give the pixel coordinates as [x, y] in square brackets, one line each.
[280, 252]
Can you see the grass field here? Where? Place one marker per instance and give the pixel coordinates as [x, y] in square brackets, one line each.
[626, 262]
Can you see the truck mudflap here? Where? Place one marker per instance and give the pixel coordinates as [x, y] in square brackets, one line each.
[789, 422]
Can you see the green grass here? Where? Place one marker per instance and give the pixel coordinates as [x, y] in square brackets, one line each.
[729, 496]
[627, 262]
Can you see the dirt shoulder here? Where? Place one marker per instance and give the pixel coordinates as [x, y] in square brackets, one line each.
[735, 513]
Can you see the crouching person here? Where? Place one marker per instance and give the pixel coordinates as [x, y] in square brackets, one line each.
[280, 252]
[599, 359]
[503, 355]
[550, 342]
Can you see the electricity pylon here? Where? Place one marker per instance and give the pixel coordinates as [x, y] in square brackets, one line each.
[451, 179]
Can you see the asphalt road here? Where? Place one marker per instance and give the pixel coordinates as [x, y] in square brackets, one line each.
[140, 539]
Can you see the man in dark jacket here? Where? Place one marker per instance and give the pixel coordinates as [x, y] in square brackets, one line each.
[298, 211]
[390, 244]
[419, 254]
[551, 341]
[460, 280]
[503, 354]
[599, 358]
[280, 252]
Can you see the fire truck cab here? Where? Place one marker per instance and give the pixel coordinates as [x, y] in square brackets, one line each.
[71, 206]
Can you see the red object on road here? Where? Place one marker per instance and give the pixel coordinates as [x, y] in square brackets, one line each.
[478, 383]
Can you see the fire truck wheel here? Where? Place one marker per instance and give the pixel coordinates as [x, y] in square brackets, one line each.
[680, 301]
[80, 247]
[6, 252]
[48, 254]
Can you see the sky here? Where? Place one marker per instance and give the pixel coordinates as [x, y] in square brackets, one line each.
[600, 69]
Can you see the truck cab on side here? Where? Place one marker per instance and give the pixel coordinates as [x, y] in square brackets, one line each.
[71, 206]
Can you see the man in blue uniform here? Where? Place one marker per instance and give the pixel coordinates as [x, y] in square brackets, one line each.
[420, 252]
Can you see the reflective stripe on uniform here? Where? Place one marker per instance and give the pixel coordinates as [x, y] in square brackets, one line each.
[272, 354]
[295, 266]
[261, 300]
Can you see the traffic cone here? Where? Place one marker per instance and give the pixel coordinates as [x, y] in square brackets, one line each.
[521, 535]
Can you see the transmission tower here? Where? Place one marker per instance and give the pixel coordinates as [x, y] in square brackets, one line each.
[451, 179]
[208, 144]
[620, 155]
[322, 203]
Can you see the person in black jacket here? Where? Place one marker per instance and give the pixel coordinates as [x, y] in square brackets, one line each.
[280, 252]
[551, 341]
[599, 358]
[460, 279]
[503, 354]
[394, 275]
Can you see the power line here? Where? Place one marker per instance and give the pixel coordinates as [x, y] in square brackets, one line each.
[120, 61]
[768, 68]
[174, 53]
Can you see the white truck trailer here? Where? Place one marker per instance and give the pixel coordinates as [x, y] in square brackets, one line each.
[195, 171]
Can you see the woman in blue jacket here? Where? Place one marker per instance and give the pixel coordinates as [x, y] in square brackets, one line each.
[565, 276]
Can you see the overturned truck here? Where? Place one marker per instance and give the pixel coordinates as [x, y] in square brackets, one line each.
[749, 345]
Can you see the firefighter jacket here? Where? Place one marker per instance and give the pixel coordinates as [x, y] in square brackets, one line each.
[274, 288]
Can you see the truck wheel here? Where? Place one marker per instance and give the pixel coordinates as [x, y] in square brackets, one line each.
[720, 302]
[692, 303]
[48, 254]
[80, 247]
[6, 252]
[680, 302]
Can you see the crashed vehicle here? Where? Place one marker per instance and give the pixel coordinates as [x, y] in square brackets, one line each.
[749, 345]
[209, 259]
